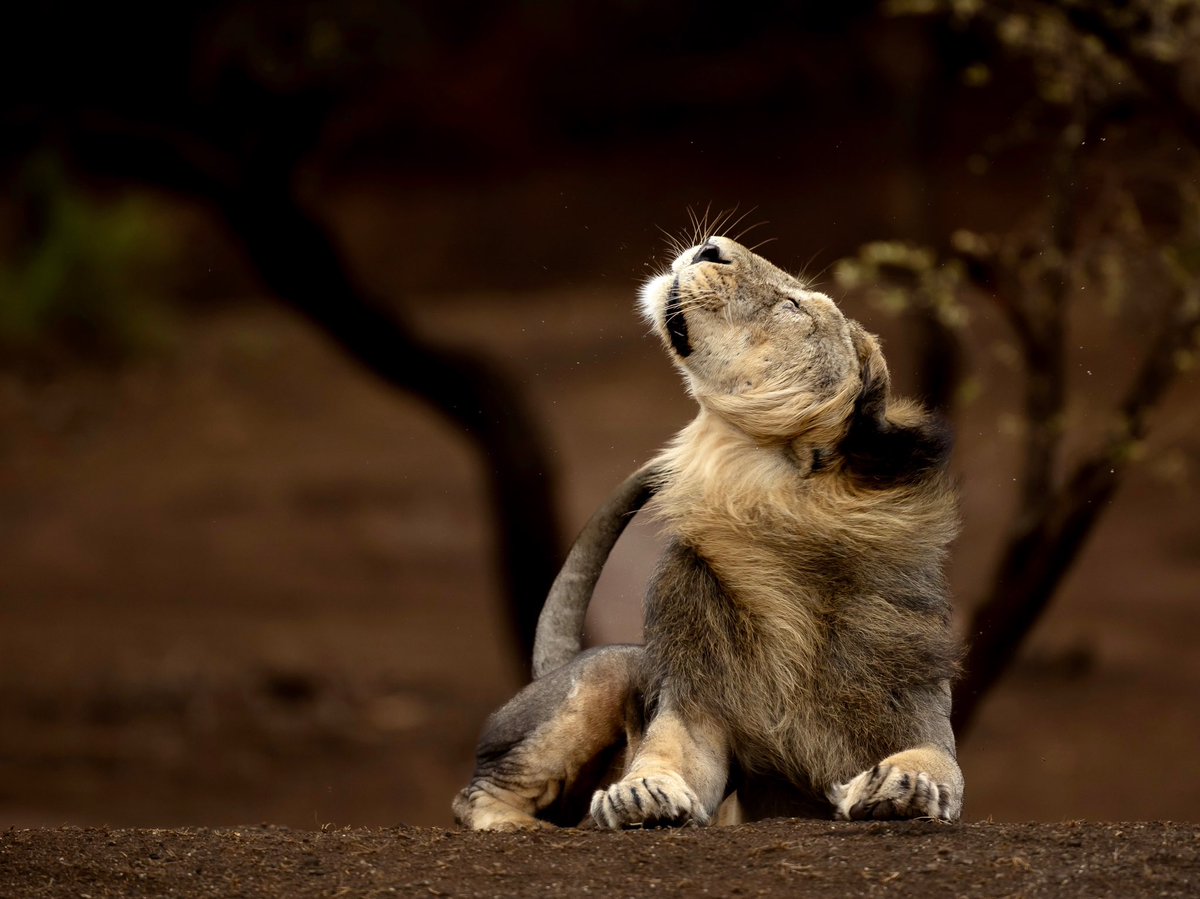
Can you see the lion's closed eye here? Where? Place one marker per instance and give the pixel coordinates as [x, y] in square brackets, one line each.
[792, 312]
[794, 306]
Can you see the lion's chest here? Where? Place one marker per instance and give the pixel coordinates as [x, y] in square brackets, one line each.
[746, 639]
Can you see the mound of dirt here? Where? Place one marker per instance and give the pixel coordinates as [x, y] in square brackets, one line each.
[773, 858]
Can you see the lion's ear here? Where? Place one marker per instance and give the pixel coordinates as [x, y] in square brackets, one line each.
[876, 382]
[889, 443]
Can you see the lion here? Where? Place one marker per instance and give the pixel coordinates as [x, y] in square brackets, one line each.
[798, 647]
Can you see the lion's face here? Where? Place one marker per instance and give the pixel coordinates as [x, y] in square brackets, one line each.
[739, 326]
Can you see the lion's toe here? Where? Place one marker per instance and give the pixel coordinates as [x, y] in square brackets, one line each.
[662, 800]
[889, 792]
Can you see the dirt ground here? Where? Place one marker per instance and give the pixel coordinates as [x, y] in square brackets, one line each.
[774, 858]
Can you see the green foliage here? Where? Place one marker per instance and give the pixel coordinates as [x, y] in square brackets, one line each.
[81, 274]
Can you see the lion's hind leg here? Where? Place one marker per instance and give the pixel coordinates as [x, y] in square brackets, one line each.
[543, 754]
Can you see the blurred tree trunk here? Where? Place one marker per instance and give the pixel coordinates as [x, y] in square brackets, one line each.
[295, 257]
[1042, 546]
[1055, 516]
[298, 261]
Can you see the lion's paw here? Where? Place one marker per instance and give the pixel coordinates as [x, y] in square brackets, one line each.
[890, 791]
[658, 800]
[478, 809]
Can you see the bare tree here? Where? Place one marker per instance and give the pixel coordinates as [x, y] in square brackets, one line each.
[1086, 56]
[209, 119]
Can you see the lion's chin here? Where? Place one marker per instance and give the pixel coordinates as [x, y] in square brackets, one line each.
[652, 298]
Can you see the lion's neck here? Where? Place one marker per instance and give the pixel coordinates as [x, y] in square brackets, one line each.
[735, 501]
[775, 530]
[717, 475]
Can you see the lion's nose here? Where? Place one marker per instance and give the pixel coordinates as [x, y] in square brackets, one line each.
[710, 252]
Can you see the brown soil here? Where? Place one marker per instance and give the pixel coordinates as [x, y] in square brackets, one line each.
[774, 858]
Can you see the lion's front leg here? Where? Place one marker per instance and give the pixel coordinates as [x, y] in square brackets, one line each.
[924, 782]
[676, 777]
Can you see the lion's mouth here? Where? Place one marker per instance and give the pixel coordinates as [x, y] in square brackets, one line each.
[676, 323]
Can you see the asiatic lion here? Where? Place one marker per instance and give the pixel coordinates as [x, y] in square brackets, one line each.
[798, 648]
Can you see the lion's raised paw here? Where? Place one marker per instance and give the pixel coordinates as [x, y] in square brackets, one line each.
[660, 800]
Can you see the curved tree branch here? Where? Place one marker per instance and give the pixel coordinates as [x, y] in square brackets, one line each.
[1035, 562]
[1053, 521]
[296, 257]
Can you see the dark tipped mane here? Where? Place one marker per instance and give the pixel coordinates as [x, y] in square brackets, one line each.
[882, 452]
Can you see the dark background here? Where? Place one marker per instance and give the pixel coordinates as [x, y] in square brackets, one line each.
[244, 578]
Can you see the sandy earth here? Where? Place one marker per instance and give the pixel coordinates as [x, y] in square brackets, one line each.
[775, 858]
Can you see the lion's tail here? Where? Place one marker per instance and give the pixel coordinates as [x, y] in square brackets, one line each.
[560, 626]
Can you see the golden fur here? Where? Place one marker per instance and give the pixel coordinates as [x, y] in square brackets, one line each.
[798, 646]
[766, 530]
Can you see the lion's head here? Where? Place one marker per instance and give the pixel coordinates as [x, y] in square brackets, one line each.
[780, 361]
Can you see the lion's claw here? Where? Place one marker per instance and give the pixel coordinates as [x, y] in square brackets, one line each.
[652, 801]
[889, 791]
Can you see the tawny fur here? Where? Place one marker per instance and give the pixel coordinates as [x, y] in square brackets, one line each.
[838, 600]
[818, 571]
[797, 630]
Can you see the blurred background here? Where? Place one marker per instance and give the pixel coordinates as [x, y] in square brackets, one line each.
[318, 343]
